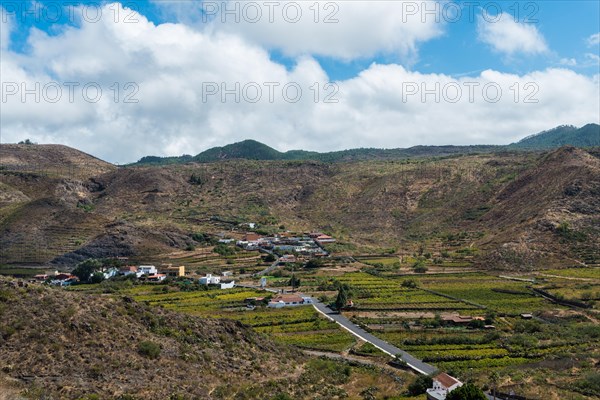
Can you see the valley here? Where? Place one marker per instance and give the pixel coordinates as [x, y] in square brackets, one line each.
[485, 266]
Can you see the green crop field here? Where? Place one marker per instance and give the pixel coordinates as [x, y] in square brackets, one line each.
[584, 273]
[300, 326]
[407, 312]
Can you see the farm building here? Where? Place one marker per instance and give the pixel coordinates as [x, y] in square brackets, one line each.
[289, 300]
[442, 385]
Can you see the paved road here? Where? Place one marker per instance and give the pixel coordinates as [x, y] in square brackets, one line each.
[271, 267]
[257, 288]
[345, 323]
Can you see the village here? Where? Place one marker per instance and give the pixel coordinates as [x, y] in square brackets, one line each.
[291, 253]
[283, 248]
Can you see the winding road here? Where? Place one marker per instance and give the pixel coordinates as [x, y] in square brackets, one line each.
[411, 361]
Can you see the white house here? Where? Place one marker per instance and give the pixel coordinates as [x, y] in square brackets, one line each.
[109, 273]
[146, 270]
[289, 300]
[227, 285]
[210, 280]
[156, 277]
[442, 385]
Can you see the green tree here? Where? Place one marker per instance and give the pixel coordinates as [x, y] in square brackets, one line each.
[294, 281]
[86, 269]
[420, 385]
[467, 391]
[314, 263]
[97, 277]
[341, 300]
[494, 379]
[270, 258]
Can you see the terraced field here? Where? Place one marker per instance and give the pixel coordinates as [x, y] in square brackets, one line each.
[410, 312]
[410, 318]
[300, 326]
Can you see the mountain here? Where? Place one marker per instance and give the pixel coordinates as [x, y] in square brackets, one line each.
[253, 150]
[247, 149]
[518, 209]
[586, 136]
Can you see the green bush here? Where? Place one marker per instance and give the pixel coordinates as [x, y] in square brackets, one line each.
[420, 385]
[466, 392]
[149, 349]
[224, 250]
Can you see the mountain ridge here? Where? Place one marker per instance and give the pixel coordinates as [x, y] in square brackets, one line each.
[249, 149]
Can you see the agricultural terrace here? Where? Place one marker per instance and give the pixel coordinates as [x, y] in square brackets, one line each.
[407, 311]
[300, 326]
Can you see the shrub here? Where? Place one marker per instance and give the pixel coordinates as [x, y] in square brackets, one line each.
[97, 277]
[314, 263]
[224, 250]
[466, 392]
[421, 269]
[409, 283]
[149, 349]
[420, 385]
[196, 180]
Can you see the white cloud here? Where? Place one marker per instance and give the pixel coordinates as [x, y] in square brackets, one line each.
[320, 27]
[593, 59]
[509, 37]
[569, 62]
[173, 63]
[594, 40]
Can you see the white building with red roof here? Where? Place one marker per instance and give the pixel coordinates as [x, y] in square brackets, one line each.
[442, 385]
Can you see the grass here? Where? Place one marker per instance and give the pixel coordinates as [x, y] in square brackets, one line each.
[585, 273]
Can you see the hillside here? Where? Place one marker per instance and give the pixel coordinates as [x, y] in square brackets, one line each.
[68, 345]
[587, 136]
[62, 344]
[51, 159]
[512, 210]
[89, 344]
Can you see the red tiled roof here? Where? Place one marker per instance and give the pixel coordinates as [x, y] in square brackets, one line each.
[446, 380]
[287, 298]
[250, 237]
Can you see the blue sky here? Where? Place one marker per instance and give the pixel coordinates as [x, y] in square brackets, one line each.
[566, 26]
[385, 58]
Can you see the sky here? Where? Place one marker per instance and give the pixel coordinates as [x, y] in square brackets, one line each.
[122, 80]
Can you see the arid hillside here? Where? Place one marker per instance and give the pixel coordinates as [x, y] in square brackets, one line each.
[60, 344]
[67, 345]
[511, 210]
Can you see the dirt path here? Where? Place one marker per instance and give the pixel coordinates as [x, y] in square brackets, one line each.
[353, 358]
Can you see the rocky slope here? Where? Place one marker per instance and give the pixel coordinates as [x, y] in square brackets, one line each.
[67, 345]
[520, 210]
